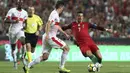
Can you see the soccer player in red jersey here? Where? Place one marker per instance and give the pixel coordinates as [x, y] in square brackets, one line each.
[83, 40]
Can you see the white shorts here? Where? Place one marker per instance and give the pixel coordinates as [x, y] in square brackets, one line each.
[14, 36]
[53, 42]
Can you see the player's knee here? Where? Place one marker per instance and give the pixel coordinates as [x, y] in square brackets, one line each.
[89, 53]
[45, 56]
[66, 48]
[32, 50]
[100, 57]
[22, 39]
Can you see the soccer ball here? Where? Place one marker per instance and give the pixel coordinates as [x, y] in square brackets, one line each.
[92, 68]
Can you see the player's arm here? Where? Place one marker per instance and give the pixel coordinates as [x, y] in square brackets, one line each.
[48, 24]
[25, 21]
[100, 28]
[75, 42]
[8, 17]
[25, 24]
[67, 27]
[61, 30]
[40, 25]
[47, 28]
[8, 20]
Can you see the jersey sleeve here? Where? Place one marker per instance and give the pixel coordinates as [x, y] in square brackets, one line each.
[26, 16]
[96, 27]
[92, 25]
[9, 14]
[39, 21]
[67, 27]
[52, 17]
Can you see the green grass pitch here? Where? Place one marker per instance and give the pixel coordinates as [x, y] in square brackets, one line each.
[75, 67]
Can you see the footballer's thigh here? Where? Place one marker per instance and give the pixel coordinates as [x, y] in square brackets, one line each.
[46, 48]
[21, 36]
[31, 41]
[86, 51]
[55, 42]
[13, 38]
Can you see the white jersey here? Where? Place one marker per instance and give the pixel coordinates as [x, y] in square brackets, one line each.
[55, 19]
[14, 14]
[53, 41]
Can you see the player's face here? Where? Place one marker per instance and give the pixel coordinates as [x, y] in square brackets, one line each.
[80, 17]
[31, 11]
[20, 3]
[61, 9]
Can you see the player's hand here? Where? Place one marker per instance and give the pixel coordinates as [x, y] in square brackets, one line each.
[46, 38]
[15, 21]
[109, 30]
[37, 33]
[67, 35]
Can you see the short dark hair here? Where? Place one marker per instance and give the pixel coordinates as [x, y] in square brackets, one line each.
[59, 4]
[79, 12]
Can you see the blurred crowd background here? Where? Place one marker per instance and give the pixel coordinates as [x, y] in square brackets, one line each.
[114, 14]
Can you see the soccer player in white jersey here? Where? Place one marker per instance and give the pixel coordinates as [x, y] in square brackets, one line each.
[16, 17]
[49, 39]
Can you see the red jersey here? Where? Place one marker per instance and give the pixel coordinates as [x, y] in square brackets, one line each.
[82, 37]
[80, 32]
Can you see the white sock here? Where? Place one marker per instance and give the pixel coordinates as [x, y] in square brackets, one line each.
[63, 59]
[14, 56]
[36, 61]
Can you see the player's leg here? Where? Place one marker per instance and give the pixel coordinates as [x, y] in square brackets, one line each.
[96, 52]
[31, 41]
[28, 53]
[44, 57]
[57, 43]
[86, 51]
[33, 45]
[64, 58]
[99, 56]
[28, 39]
[12, 40]
[21, 37]
[28, 46]
[14, 55]
[46, 51]
[19, 45]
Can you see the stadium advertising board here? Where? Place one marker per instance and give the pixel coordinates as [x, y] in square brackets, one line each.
[109, 52]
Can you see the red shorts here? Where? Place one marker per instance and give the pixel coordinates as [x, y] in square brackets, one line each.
[85, 47]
